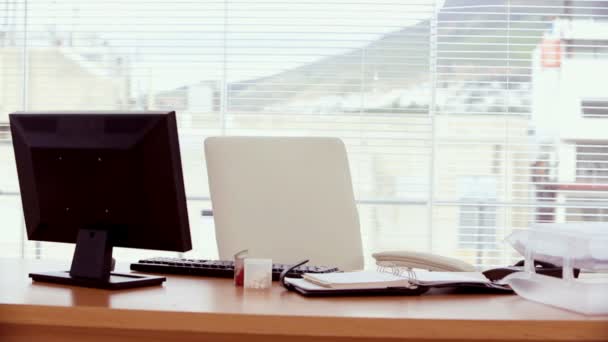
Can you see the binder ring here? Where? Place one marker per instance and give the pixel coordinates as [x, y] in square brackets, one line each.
[397, 270]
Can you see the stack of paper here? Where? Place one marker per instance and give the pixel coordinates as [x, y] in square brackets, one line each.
[381, 280]
[356, 280]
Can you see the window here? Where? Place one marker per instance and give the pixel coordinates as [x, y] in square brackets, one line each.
[477, 234]
[594, 108]
[586, 49]
[424, 94]
[477, 231]
[592, 163]
[4, 132]
[587, 214]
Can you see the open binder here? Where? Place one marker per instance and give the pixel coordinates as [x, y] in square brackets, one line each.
[386, 281]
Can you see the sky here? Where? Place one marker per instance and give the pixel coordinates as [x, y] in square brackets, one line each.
[174, 43]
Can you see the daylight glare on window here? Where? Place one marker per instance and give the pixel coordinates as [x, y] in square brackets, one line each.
[464, 120]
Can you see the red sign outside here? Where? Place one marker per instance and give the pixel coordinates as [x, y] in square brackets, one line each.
[551, 53]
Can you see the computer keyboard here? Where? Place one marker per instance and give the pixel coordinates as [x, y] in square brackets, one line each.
[215, 268]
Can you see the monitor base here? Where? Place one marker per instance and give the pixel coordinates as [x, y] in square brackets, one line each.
[117, 281]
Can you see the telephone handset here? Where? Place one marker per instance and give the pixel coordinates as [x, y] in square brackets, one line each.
[427, 261]
[438, 263]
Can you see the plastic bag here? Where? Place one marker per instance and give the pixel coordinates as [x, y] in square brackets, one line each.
[575, 245]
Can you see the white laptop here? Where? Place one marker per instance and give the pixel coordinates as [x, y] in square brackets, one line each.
[282, 198]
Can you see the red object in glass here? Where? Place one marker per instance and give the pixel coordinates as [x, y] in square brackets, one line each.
[239, 267]
[239, 277]
[551, 53]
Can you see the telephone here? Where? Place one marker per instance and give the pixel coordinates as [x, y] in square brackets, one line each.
[438, 263]
[427, 261]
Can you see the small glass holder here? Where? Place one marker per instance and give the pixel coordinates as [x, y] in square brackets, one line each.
[258, 273]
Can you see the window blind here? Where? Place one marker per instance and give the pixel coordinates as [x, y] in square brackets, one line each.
[464, 120]
[517, 139]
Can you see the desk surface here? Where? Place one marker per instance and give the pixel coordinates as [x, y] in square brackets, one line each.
[213, 306]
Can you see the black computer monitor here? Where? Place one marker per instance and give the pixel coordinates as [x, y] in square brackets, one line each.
[101, 179]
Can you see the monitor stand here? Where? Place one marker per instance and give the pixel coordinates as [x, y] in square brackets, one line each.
[92, 265]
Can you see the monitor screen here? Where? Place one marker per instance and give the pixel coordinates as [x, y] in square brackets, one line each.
[119, 173]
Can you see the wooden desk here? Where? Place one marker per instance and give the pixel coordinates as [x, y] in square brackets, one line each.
[208, 309]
